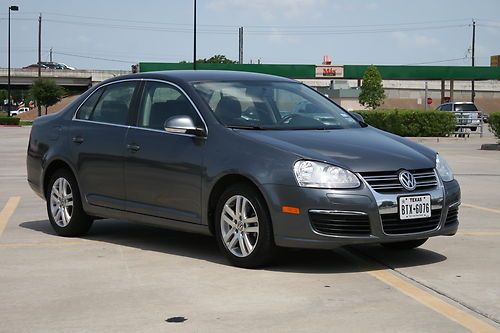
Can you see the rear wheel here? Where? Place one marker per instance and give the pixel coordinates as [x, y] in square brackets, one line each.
[243, 227]
[405, 245]
[64, 205]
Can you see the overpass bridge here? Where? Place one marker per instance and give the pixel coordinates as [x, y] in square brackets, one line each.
[80, 79]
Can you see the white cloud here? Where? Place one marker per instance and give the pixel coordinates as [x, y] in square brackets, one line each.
[270, 9]
[414, 40]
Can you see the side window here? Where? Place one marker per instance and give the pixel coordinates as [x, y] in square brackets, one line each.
[113, 104]
[87, 108]
[289, 102]
[160, 102]
[446, 107]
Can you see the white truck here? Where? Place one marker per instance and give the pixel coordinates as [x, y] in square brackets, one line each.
[19, 111]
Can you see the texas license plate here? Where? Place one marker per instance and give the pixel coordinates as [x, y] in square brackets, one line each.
[414, 207]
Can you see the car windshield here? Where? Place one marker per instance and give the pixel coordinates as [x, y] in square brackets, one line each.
[465, 107]
[272, 105]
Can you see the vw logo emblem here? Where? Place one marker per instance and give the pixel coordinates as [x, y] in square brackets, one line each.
[407, 180]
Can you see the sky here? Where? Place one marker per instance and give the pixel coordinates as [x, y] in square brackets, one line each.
[113, 34]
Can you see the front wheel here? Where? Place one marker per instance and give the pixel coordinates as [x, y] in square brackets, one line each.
[405, 245]
[64, 205]
[243, 227]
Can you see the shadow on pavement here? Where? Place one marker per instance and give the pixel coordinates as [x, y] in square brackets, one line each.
[342, 260]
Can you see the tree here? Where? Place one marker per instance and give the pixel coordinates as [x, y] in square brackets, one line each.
[216, 59]
[46, 92]
[3, 95]
[372, 92]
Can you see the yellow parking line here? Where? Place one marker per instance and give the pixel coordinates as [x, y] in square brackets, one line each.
[479, 233]
[7, 212]
[451, 312]
[43, 244]
[491, 210]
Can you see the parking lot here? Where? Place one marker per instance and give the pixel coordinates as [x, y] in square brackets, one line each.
[124, 277]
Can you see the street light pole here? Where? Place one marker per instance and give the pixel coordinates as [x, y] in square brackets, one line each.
[14, 9]
[194, 36]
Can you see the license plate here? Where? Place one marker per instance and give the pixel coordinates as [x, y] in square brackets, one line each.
[414, 207]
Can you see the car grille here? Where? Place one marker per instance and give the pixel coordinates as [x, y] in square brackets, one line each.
[340, 224]
[388, 181]
[394, 226]
[452, 216]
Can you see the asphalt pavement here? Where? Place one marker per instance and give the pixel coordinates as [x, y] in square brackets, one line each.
[125, 277]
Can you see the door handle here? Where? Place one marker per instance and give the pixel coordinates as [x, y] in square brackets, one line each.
[133, 147]
[77, 139]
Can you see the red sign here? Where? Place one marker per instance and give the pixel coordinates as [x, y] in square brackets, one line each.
[329, 72]
[323, 71]
[429, 100]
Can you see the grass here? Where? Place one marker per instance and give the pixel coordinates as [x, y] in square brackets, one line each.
[26, 122]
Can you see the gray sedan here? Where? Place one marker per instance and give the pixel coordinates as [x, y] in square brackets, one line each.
[259, 161]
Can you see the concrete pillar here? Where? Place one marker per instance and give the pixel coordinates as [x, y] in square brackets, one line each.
[451, 90]
[442, 91]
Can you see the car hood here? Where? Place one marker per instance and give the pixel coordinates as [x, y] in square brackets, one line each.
[358, 149]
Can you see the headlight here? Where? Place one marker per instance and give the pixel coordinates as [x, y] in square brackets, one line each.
[317, 174]
[443, 169]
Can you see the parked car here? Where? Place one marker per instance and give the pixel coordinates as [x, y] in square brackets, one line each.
[57, 65]
[467, 113]
[486, 118]
[49, 65]
[35, 67]
[257, 160]
[19, 111]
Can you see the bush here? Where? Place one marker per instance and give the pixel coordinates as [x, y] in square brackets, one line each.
[411, 122]
[9, 121]
[494, 122]
[26, 122]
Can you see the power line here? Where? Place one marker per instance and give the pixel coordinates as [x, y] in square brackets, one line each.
[139, 27]
[435, 61]
[352, 32]
[257, 32]
[107, 19]
[95, 58]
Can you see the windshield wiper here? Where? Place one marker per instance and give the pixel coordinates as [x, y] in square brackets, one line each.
[249, 127]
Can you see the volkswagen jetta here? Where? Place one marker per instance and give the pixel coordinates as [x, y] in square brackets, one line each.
[259, 161]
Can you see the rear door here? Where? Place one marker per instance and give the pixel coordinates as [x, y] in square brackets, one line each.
[98, 143]
[163, 170]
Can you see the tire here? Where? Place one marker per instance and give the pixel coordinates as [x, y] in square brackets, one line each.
[65, 211]
[247, 244]
[405, 245]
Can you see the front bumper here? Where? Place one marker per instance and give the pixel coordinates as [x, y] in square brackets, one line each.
[297, 230]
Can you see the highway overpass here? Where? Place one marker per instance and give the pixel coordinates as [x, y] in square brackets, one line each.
[71, 79]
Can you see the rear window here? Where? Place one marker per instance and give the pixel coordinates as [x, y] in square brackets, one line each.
[465, 107]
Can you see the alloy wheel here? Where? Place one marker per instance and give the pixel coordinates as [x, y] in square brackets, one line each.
[239, 226]
[61, 202]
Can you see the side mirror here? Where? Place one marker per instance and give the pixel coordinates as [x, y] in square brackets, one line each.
[358, 117]
[183, 125]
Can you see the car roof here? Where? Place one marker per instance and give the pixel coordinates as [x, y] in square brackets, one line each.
[205, 75]
[456, 103]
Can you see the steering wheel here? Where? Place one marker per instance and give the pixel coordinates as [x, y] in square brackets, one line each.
[289, 117]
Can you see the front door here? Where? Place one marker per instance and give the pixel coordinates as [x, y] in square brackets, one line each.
[163, 171]
[98, 139]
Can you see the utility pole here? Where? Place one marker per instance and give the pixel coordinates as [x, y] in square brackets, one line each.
[39, 57]
[194, 36]
[473, 54]
[240, 45]
[425, 98]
